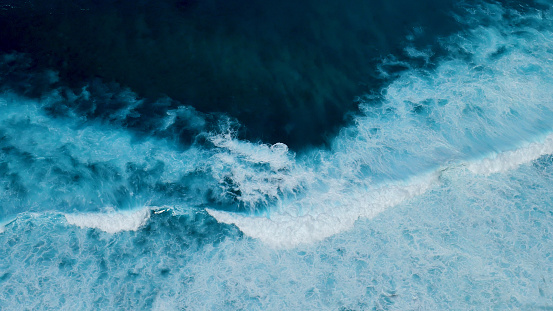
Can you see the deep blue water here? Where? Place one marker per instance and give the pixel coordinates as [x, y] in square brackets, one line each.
[252, 155]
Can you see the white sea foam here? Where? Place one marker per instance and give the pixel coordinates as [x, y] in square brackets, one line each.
[449, 118]
[97, 154]
[253, 174]
[446, 224]
[492, 98]
[283, 229]
[509, 160]
[6, 222]
[3, 227]
[289, 228]
[111, 222]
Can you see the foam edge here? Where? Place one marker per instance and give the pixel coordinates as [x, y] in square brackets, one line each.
[510, 160]
[283, 230]
[112, 222]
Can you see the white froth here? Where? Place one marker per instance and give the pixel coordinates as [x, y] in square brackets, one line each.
[286, 230]
[509, 160]
[277, 155]
[494, 97]
[253, 174]
[449, 118]
[112, 222]
[5, 223]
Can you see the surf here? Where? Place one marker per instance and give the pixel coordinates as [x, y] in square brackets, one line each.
[436, 196]
[487, 111]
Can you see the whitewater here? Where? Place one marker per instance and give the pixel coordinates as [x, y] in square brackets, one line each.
[437, 196]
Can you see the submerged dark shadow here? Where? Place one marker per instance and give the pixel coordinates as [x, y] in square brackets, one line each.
[288, 70]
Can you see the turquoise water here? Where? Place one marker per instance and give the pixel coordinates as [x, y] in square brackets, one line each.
[437, 195]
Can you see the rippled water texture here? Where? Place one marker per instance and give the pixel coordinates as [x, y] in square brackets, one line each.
[406, 168]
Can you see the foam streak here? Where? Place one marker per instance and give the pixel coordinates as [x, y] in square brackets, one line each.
[111, 222]
[509, 160]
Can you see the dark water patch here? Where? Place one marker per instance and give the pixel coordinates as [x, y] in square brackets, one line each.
[5, 276]
[289, 71]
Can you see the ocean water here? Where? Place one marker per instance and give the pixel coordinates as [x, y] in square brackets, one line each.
[421, 177]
